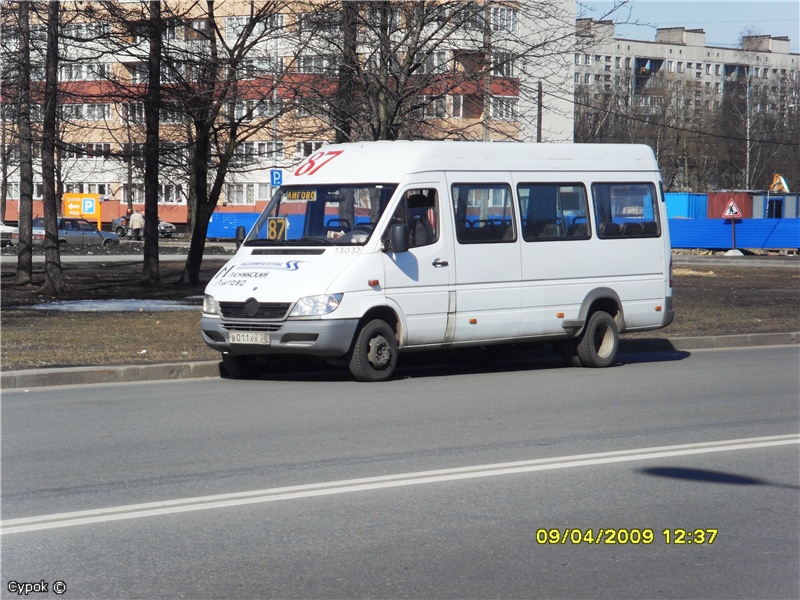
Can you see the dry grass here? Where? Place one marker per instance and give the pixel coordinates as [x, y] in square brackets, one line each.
[719, 302]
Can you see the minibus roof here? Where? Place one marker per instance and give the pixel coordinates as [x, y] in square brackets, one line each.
[389, 161]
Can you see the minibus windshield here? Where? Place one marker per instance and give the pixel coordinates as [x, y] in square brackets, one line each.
[321, 215]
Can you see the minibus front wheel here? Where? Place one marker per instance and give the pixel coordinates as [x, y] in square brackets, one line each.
[599, 341]
[375, 351]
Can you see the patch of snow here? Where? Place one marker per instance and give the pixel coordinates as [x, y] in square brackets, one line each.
[126, 305]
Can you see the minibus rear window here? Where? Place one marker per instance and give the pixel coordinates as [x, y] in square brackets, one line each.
[626, 210]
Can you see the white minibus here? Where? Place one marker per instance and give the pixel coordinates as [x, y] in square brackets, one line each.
[375, 248]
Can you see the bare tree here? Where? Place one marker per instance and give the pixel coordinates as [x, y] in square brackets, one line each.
[24, 272]
[225, 85]
[421, 70]
[152, 109]
[54, 277]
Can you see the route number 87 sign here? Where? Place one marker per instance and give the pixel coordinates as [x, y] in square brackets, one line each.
[276, 228]
[316, 161]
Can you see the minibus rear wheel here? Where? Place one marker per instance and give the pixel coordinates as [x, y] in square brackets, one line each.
[599, 342]
[374, 355]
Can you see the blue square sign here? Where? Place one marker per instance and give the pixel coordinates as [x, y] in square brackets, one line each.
[276, 177]
[88, 206]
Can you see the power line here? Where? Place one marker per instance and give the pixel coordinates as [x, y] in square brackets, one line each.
[697, 132]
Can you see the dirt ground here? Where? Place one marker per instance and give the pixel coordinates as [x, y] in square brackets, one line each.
[709, 300]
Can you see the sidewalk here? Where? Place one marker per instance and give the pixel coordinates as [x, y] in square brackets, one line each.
[32, 378]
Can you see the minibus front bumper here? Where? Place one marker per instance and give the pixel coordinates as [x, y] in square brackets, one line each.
[326, 338]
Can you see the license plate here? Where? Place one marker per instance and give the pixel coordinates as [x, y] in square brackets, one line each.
[248, 337]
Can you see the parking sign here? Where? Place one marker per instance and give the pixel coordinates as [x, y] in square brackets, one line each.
[276, 177]
[88, 206]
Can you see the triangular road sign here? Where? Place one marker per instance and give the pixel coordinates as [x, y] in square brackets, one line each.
[732, 211]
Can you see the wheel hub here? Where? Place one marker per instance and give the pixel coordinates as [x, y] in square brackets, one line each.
[379, 354]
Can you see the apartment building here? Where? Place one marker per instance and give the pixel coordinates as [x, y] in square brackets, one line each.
[285, 74]
[680, 64]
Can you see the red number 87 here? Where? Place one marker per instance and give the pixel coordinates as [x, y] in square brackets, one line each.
[311, 166]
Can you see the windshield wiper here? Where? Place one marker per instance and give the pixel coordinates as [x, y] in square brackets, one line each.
[314, 240]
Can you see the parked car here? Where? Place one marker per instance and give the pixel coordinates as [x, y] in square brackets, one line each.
[120, 227]
[73, 231]
[6, 231]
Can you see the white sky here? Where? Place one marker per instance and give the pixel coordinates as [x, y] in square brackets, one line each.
[723, 22]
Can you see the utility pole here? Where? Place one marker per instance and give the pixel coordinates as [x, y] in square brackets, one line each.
[747, 129]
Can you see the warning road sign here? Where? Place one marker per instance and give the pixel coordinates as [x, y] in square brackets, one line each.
[732, 211]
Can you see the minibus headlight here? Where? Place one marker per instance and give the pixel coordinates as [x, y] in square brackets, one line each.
[210, 305]
[314, 306]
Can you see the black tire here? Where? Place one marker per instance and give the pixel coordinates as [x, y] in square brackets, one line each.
[107, 242]
[120, 231]
[599, 341]
[569, 352]
[374, 355]
[241, 367]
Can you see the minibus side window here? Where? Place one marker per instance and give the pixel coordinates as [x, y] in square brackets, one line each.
[626, 210]
[553, 211]
[419, 209]
[484, 213]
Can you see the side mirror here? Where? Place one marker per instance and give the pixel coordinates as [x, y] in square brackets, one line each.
[241, 232]
[398, 234]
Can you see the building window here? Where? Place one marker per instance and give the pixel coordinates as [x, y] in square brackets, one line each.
[430, 107]
[680, 67]
[431, 62]
[466, 107]
[312, 64]
[240, 193]
[505, 19]
[307, 148]
[271, 149]
[670, 66]
[172, 194]
[587, 59]
[503, 64]
[504, 108]
[577, 58]
[138, 72]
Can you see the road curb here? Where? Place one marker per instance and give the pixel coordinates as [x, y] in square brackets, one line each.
[32, 378]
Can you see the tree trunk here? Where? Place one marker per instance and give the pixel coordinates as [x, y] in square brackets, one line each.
[150, 270]
[54, 276]
[202, 210]
[348, 72]
[24, 273]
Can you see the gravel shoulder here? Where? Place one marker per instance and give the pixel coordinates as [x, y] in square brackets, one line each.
[709, 300]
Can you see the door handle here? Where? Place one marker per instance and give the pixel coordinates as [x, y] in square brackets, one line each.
[438, 262]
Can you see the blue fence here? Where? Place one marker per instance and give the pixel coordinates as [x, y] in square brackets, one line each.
[684, 233]
[223, 225]
[750, 233]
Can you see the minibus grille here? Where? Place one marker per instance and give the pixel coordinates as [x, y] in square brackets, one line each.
[249, 326]
[266, 310]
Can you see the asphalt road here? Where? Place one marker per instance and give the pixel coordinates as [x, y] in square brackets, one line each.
[662, 442]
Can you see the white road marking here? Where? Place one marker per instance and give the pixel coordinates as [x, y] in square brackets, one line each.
[167, 507]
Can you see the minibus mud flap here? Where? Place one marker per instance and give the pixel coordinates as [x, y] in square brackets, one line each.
[573, 326]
